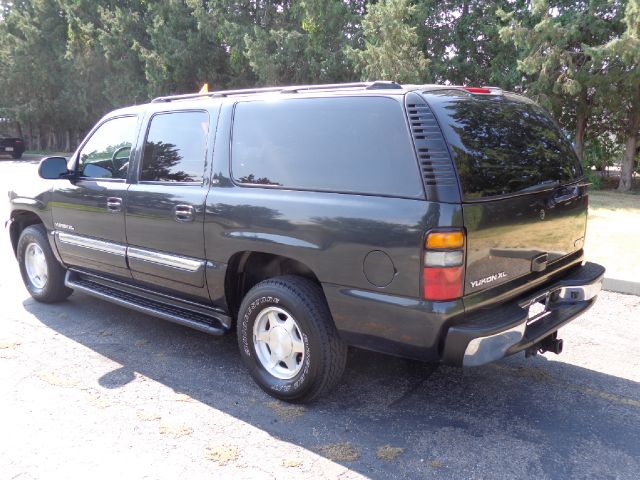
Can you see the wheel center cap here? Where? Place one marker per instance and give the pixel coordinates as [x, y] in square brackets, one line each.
[280, 342]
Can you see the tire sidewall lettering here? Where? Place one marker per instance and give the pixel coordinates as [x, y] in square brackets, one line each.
[247, 317]
[246, 329]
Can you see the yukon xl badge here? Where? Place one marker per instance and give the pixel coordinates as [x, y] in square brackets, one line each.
[489, 279]
[64, 226]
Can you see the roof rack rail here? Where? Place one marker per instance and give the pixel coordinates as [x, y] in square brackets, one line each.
[328, 86]
[219, 93]
[291, 89]
[337, 86]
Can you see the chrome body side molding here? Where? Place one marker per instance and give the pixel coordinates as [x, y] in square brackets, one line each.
[141, 263]
[165, 259]
[92, 243]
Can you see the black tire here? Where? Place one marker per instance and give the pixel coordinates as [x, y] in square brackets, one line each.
[325, 353]
[54, 289]
[17, 156]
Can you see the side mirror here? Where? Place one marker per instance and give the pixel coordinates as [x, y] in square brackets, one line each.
[53, 168]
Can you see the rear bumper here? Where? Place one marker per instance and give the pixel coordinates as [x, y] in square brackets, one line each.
[497, 332]
[12, 150]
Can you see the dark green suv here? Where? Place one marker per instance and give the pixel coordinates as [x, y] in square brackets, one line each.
[438, 223]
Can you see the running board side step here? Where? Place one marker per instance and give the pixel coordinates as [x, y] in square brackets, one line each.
[168, 308]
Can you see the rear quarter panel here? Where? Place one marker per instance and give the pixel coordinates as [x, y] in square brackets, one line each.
[332, 234]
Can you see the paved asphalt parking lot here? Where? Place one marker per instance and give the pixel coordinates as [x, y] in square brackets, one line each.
[92, 389]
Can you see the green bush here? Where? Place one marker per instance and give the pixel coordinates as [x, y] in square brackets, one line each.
[594, 179]
[600, 152]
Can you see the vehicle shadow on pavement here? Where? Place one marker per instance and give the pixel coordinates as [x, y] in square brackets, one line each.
[515, 418]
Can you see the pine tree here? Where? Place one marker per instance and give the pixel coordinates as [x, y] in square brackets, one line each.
[390, 44]
[560, 72]
[620, 58]
[180, 55]
[304, 44]
[461, 38]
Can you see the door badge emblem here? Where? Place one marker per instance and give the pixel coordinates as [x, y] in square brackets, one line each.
[64, 226]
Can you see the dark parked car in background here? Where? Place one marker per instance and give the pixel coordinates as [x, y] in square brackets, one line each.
[438, 223]
[13, 146]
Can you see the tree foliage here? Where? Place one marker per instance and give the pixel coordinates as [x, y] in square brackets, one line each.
[620, 59]
[67, 62]
[559, 69]
[391, 47]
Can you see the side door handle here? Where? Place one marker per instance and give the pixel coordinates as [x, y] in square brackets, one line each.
[114, 204]
[184, 213]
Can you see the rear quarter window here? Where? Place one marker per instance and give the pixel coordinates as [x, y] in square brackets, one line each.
[345, 144]
[503, 145]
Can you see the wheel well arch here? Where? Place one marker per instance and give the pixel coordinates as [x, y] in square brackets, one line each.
[248, 268]
[21, 219]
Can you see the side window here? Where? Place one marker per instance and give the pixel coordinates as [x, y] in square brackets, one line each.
[347, 144]
[106, 154]
[175, 147]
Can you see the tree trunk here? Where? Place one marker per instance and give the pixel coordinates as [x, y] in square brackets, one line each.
[39, 137]
[51, 139]
[581, 128]
[626, 168]
[582, 114]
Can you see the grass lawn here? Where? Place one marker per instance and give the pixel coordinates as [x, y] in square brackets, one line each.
[613, 233]
[48, 153]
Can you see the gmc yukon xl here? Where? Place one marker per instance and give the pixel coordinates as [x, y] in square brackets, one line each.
[438, 223]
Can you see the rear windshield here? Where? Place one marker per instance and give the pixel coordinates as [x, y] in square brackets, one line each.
[502, 145]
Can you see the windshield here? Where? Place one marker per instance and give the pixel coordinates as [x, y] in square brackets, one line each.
[503, 144]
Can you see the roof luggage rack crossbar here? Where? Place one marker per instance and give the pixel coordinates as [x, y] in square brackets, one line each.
[378, 85]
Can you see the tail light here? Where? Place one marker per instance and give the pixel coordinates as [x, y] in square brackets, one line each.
[478, 90]
[483, 90]
[443, 268]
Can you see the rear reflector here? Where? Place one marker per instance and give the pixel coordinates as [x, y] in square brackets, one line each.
[442, 283]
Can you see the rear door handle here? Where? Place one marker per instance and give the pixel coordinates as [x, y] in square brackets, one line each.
[184, 213]
[114, 204]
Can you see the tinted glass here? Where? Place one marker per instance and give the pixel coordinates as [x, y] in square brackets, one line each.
[348, 144]
[106, 154]
[503, 145]
[175, 147]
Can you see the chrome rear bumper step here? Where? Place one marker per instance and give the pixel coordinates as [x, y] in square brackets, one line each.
[506, 328]
[167, 308]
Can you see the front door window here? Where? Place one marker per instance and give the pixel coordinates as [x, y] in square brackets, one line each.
[107, 153]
